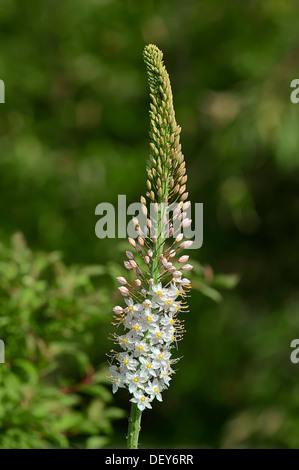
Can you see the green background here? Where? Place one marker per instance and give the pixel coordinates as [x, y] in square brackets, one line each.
[74, 133]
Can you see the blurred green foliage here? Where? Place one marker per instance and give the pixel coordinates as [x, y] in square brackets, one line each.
[74, 133]
[51, 395]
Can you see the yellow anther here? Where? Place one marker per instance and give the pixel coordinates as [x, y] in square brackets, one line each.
[136, 327]
[131, 308]
[158, 334]
[140, 347]
[168, 302]
[156, 390]
[148, 319]
[142, 399]
[126, 340]
[178, 292]
[159, 293]
[116, 379]
[148, 366]
[126, 361]
[135, 380]
[172, 322]
[160, 356]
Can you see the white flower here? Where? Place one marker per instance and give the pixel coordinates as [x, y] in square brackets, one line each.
[140, 347]
[127, 361]
[141, 400]
[148, 367]
[144, 367]
[157, 291]
[117, 379]
[154, 390]
[134, 381]
[160, 356]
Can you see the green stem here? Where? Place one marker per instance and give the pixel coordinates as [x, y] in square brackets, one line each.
[134, 427]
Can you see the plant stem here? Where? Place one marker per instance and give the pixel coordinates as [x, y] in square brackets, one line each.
[134, 427]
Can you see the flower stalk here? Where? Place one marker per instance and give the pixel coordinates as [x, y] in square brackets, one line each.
[158, 293]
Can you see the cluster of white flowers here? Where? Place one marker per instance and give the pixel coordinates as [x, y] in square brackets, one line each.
[151, 330]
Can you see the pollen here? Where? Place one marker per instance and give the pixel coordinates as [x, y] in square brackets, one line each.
[126, 361]
[142, 399]
[135, 380]
[159, 293]
[160, 356]
[131, 308]
[168, 302]
[148, 366]
[136, 327]
[178, 292]
[148, 319]
[158, 334]
[116, 379]
[172, 322]
[125, 340]
[156, 390]
[140, 347]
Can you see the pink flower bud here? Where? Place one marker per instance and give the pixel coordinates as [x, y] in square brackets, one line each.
[186, 223]
[150, 253]
[179, 238]
[146, 259]
[154, 240]
[121, 280]
[186, 244]
[183, 259]
[151, 282]
[129, 255]
[187, 267]
[138, 248]
[148, 223]
[140, 241]
[184, 196]
[127, 265]
[177, 274]
[172, 253]
[118, 310]
[137, 282]
[124, 291]
[133, 263]
[132, 242]
[186, 205]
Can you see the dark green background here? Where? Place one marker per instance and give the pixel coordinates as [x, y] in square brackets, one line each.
[74, 133]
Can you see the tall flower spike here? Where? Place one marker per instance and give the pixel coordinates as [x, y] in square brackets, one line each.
[157, 295]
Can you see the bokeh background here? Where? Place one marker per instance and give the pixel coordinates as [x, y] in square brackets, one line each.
[74, 133]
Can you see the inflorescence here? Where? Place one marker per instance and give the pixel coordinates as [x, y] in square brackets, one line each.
[158, 294]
